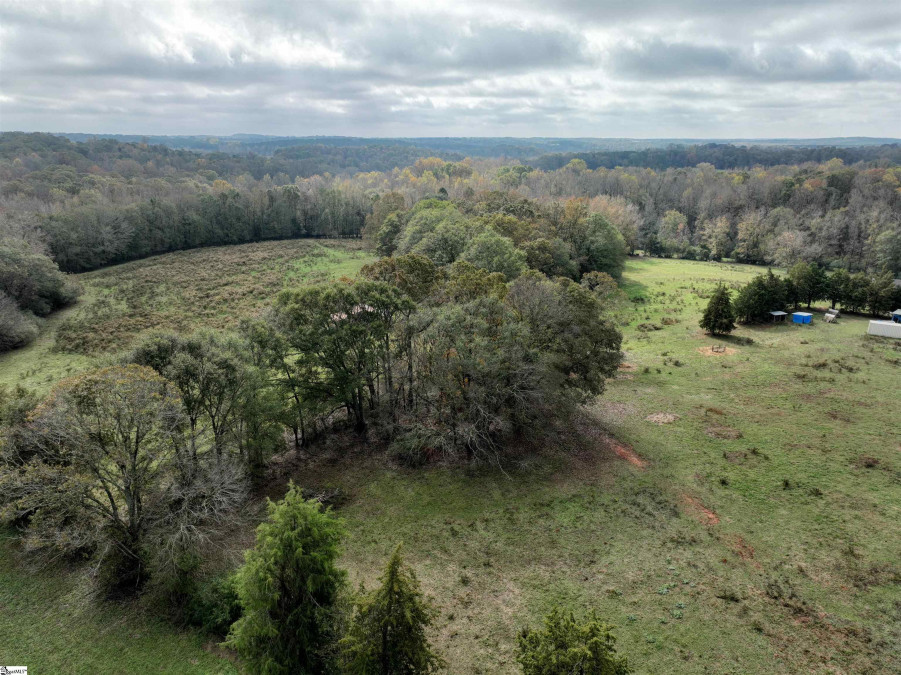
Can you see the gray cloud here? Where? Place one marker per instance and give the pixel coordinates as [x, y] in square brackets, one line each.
[658, 59]
[492, 67]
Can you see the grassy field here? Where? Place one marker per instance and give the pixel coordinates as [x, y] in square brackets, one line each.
[743, 521]
[755, 533]
[210, 287]
[49, 622]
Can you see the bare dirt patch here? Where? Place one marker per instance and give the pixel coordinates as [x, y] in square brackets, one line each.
[661, 418]
[717, 350]
[698, 511]
[624, 451]
[745, 551]
[726, 433]
[613, 411]
[626, 366]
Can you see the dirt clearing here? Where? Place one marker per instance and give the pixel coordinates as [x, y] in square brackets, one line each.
[661, 418]
[725, 433]
[717, 351]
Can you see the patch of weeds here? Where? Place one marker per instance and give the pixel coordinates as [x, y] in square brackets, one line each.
[867, 462]
[729, 595]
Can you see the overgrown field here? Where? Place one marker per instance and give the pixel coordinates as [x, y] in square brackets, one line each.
[744, 521]
[210, 287]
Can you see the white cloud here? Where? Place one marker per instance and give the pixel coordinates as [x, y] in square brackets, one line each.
[493, 67]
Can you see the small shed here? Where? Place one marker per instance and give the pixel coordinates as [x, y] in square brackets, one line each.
[777, 316]
[802, 317]
[896, 316]
[885, 329]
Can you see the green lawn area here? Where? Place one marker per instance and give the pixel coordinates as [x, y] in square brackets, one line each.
[755, 532]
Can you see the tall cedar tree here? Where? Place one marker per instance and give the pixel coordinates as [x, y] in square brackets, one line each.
[388, 632]
[566, 646]
[719, 316]
[288, 588]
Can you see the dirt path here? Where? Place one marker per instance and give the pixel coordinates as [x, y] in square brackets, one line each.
[625, 452]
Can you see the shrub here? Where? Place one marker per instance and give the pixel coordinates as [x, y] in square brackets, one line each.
[17, 328]
[214, 605]
[565, 645]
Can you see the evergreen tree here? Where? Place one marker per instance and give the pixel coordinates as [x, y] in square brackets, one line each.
[387, 634]
[765, 293]
[719, 317]
[288, 588]
[567, 646]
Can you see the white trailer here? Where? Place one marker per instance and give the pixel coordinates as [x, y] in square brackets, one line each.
[885, 329]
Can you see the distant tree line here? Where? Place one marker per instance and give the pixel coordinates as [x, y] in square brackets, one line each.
[720, 155]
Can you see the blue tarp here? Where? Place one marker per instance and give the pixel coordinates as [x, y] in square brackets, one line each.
[802, 317]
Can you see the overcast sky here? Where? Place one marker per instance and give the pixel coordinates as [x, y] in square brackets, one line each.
[602, 68]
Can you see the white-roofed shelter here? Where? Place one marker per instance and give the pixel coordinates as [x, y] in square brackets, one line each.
[885, 329]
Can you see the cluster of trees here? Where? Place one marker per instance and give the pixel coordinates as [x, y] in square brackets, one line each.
[804, 284]
[451, 360]
[134, 465]
[504, 235]
[107, 468]
[128, 468]
[31, 286]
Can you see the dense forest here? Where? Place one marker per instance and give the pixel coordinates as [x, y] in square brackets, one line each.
[86, 205]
